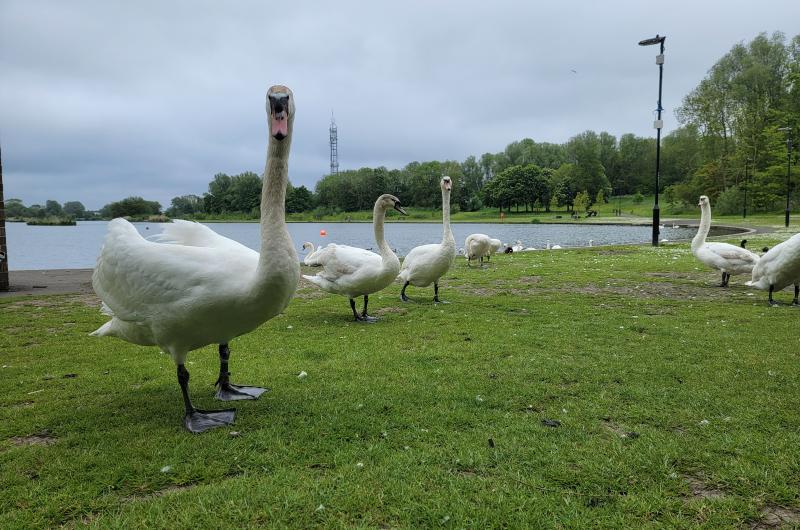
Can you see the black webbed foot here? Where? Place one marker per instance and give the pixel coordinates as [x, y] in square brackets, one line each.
[231, 392]
[198, 421]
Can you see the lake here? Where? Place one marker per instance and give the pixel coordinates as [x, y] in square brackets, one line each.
[77, 247]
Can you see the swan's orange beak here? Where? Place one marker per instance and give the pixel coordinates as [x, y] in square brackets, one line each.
[448, 184]
[399, 208]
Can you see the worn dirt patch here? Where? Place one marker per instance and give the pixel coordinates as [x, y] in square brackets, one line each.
[529, 280]
[700, 490]
[175, 488]
[40, 438]
[777, 517]
[618, 430]
[389, 309]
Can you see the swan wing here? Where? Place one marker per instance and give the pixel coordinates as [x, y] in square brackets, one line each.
[338, 261]
[138, 279]
[733, 253]
[190, 233]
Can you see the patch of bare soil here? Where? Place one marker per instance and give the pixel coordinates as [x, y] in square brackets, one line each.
[777, 517]
[174, 488]
[700, 490]
[389, 309]
[529, 280]
[617, 429]
[40, 438]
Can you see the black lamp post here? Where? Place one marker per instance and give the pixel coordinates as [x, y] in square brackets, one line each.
[658, 125]
[744, 204]
[788, 131]
[3, 250]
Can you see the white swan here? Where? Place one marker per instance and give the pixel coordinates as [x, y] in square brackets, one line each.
[778, 268]
[425, 264]
[355, 272]
[552, 247]
[476, 246]
[207, 289]
[517, 247]
[725, 257]
[311, 254]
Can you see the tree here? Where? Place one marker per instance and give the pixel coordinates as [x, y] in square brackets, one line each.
[298, 199]
[75, 209]
[130, 207]
[581, 202]
[53, 208]
[15, 209]
[185, 205]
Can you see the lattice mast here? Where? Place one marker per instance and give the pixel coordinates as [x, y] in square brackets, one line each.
[334, 147]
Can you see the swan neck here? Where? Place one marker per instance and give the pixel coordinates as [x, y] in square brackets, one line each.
[274, 233]
[705, 225]
[378, 219]
[447, 234]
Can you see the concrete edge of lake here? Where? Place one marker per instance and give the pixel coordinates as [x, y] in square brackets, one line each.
[51, 281]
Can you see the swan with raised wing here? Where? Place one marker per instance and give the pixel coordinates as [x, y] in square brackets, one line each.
[195, 287]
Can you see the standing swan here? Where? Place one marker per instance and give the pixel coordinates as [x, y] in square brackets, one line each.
[427, 263]
[477, 246]
[725, 257]
[778, 268]
[355, 272]
[182, 296]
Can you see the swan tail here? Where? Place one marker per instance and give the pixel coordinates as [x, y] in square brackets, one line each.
[103, 330]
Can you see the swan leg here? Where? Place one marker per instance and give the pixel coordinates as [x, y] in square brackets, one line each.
[771, 301]
[436, 294]
[796, 294]
[364, 316]
[196, 420]
[230, 392]
[725, 278]
[403, 296]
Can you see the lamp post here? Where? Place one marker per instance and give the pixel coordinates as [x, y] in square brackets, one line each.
[658, 125]
[788, 131]
[3, 249]
[744, 204]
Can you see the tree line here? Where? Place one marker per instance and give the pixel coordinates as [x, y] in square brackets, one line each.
[730, 140]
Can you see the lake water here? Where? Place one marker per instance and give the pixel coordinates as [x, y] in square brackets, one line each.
[74, 247]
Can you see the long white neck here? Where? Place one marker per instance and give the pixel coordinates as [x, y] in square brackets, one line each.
[705, 225]
[447, 236]
[275, 240]
[378, 218]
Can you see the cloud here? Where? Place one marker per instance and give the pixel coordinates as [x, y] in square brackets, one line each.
[103, 100]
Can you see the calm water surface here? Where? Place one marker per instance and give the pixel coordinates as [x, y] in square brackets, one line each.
[73, 247]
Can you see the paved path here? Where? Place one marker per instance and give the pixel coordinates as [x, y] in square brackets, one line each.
[55, 281]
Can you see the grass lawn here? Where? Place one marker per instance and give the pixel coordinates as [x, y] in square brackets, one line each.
[600, 387]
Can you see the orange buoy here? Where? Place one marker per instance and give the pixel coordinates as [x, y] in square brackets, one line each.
[323, 232]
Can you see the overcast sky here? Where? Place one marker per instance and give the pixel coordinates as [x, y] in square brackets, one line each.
[107, 99]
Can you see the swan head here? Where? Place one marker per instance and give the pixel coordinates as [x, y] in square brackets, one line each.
[307, 245]
[446, 184]
[280, 107]
[387, 202]
[703, 201]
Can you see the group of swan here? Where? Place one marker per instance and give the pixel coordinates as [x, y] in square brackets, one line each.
[778, 268]
[196, 287]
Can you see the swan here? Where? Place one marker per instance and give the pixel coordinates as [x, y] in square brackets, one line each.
[196, 287]
[477, 246]
[517, 247]
[778, 268]
[311, 254]
[425, 264]
[355, 272]
[725, 257]
[591, 242]
[552, 247]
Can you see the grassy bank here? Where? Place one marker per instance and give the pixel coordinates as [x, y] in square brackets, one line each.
[601, 387]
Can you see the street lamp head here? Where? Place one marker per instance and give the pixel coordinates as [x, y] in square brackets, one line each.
[655, 40]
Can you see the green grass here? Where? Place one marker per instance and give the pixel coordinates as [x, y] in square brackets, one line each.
[608, 341]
